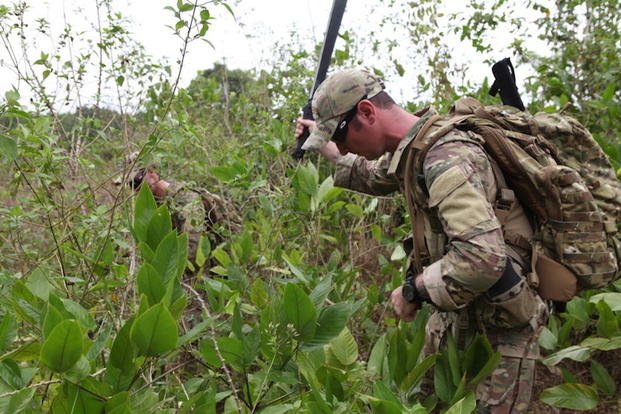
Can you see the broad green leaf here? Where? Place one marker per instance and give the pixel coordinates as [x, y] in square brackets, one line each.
[208, 351]
[159, 227]
[203, 251]
[258, 293]
[182, 254]
[345, 348]
[442, 379]
[397, 355]
[578, 308]
[79, 371]
[547, 340]
[243, 247]
[330, 323]
[602, 378]
[385, 407]
[8, 147]
[296, 270]
[150, 284]
[166, 259]
[300, 311]
[119, 404]
[602, 344]
[466, 405]
[147, 253]
[453, 359]
[251, 345]
[26, 352]
[377, 357]
[10, 375]
[63, 347]
[154, 332]
[612, 299]
[398, 254]
[184, 7]
[306, 179]
[573, 396]
[384, 401]
[19, 402]
[145, 208]
[607, 324]
[231, 350]
[38, 284]
[77, 311]
[236, 322]
[224, 173]
[77, 400]
[417, 373]
[52, 318]
[222, 257]
[477, 355]
[575, 353]
[324, 189]
[8, 330]
[355, 210]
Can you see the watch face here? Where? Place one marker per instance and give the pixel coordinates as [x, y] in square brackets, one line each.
[408, 292]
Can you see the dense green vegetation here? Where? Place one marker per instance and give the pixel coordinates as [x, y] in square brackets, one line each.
[97, 311]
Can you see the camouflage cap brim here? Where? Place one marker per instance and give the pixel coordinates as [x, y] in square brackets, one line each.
[321, 134]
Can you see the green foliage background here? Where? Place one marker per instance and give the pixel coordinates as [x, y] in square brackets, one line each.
[290, 313]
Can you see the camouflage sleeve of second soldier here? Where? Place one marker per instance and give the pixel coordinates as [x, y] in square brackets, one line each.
[461, 188]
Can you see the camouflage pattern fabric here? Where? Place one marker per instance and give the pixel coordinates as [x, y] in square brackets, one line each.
[467, 252]
[197, 212]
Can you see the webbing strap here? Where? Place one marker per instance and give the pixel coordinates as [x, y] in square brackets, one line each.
[414, 211]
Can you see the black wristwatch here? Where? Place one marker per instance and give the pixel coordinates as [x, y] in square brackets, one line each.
[410, 292]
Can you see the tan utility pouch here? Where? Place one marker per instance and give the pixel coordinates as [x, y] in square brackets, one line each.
[554, 281]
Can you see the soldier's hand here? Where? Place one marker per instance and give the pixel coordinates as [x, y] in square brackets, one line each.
[403, 309]
[300, 123]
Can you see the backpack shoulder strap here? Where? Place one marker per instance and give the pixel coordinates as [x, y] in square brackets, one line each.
[416, 218]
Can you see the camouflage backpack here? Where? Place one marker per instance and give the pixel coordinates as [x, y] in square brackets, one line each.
[560, 174]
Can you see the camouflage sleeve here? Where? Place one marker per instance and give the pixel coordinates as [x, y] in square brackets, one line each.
[369, 177]
[461, 189]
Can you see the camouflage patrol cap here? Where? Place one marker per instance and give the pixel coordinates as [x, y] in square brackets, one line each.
[337, 95]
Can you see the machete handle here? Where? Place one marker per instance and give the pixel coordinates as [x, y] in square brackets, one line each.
[307, 113]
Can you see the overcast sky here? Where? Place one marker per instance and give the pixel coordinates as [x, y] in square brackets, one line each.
[242, 42]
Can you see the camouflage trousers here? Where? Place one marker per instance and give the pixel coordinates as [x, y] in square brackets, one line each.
[509, 388]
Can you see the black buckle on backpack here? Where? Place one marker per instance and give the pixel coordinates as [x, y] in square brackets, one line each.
[506, 199]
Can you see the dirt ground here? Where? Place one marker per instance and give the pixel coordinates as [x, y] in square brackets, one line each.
[548, 377]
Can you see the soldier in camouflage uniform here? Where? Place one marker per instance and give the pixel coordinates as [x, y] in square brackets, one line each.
[474, 280]
[194, 211]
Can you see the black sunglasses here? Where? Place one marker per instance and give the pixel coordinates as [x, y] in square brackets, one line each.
[341, 129]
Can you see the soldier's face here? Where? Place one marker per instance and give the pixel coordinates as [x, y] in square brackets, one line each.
[363, 138]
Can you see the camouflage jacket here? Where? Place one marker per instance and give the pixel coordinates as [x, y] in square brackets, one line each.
[462, 233]
[197, 212]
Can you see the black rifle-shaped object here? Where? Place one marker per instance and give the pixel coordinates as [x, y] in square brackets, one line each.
[505, 84]
[336, 15]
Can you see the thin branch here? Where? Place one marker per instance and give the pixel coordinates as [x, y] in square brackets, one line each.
[215, 345]
[37, 385]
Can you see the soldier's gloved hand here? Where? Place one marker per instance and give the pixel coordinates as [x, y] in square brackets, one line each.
[403, 309]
